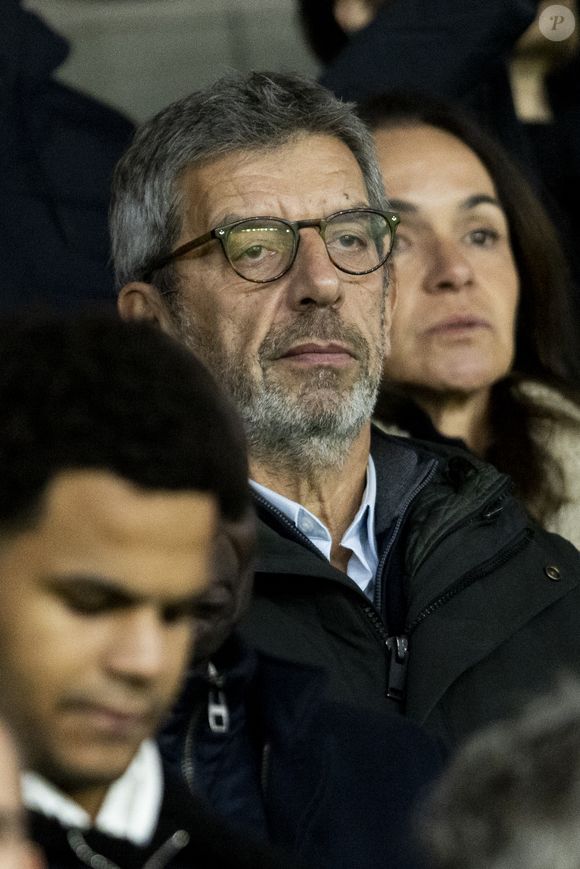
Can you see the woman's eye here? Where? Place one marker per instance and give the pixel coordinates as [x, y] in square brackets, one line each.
[483, 237]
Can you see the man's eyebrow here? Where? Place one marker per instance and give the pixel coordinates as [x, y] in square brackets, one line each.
[117, 594]
[88, 582]
[233, 217]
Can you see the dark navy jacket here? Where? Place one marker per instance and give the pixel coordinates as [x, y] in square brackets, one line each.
[334, 786]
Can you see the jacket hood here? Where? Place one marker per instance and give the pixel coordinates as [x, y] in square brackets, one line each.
[29, 50]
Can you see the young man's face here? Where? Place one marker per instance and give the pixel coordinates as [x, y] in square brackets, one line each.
[97, 606]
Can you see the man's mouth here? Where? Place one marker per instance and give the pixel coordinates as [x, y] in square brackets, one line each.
[115, 721]
[313, 353]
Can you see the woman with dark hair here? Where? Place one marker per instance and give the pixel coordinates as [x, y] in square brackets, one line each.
[482, 344]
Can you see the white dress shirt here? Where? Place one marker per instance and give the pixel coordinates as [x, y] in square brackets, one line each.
[359, 537]
[131, 806]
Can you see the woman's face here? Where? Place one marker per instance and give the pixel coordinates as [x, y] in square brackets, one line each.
[454, 324]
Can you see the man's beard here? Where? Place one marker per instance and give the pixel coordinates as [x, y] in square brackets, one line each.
[308, 426]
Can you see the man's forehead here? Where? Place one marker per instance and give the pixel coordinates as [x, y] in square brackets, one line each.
[260, 180]
[107, 500]
[95, 525]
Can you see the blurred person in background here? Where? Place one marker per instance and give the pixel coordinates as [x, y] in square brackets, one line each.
[511, 797]
[483, 342]
[490, 57]
[58, 148]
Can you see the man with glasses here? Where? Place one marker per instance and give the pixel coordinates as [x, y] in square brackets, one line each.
[250, 221]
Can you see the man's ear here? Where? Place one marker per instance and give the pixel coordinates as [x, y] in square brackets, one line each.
[353, 15]
[141, 301]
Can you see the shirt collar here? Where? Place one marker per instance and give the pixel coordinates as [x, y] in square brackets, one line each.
[296, 512]
[359, 536]
[131, 806]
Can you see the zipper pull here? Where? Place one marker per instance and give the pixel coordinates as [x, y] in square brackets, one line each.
[398, 657]
[218, 714]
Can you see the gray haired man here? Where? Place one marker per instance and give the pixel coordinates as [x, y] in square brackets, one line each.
[249, 220]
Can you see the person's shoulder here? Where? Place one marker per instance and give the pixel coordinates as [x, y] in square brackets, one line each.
[449, 453]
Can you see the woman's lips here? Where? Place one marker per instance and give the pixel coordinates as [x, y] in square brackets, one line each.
[457, 325]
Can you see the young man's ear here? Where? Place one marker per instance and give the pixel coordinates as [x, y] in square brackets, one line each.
[141, 301]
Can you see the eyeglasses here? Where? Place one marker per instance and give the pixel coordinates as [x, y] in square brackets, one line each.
[262, 249]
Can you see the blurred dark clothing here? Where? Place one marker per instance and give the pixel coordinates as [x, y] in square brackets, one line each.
[187, 835]
[448, 48]
[57, 153]
[335, 786]
[458, 51]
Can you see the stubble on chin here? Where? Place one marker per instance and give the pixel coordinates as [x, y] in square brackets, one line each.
[301, 420]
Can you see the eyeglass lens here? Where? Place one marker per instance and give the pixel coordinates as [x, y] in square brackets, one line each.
[261, 250]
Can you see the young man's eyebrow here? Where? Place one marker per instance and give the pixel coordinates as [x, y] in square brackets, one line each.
[89, 582]
[117, 594]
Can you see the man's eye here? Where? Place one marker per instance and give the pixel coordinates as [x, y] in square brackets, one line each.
[87, 603]
[255, 252]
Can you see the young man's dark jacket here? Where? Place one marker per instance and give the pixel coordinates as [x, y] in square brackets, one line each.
[476, 608]
[187, 835]
[335, 786]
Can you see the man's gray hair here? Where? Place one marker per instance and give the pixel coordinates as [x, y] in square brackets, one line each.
[260, 110]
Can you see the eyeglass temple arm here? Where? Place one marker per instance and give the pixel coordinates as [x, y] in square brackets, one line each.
[180, 251]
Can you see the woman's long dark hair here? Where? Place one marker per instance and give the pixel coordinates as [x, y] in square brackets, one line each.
[545, 339]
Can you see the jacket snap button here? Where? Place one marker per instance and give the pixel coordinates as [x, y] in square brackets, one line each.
[552, 572]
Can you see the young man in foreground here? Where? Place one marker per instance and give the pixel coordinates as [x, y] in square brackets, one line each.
[119, 460]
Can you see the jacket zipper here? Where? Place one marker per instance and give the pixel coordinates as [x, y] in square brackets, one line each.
[487, 515]
[397, 647]
[378, 597]
[83, 851]
[218, 716]
[187, 763]
[470, 577]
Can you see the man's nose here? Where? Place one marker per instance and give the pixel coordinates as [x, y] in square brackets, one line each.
[314, 279]
[449, 269]
[137, 647]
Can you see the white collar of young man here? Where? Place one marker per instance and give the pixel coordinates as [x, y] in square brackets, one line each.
[130, 809]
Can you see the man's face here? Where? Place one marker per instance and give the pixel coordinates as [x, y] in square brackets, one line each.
[301, 355]
[225, 600]
[97, 604]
